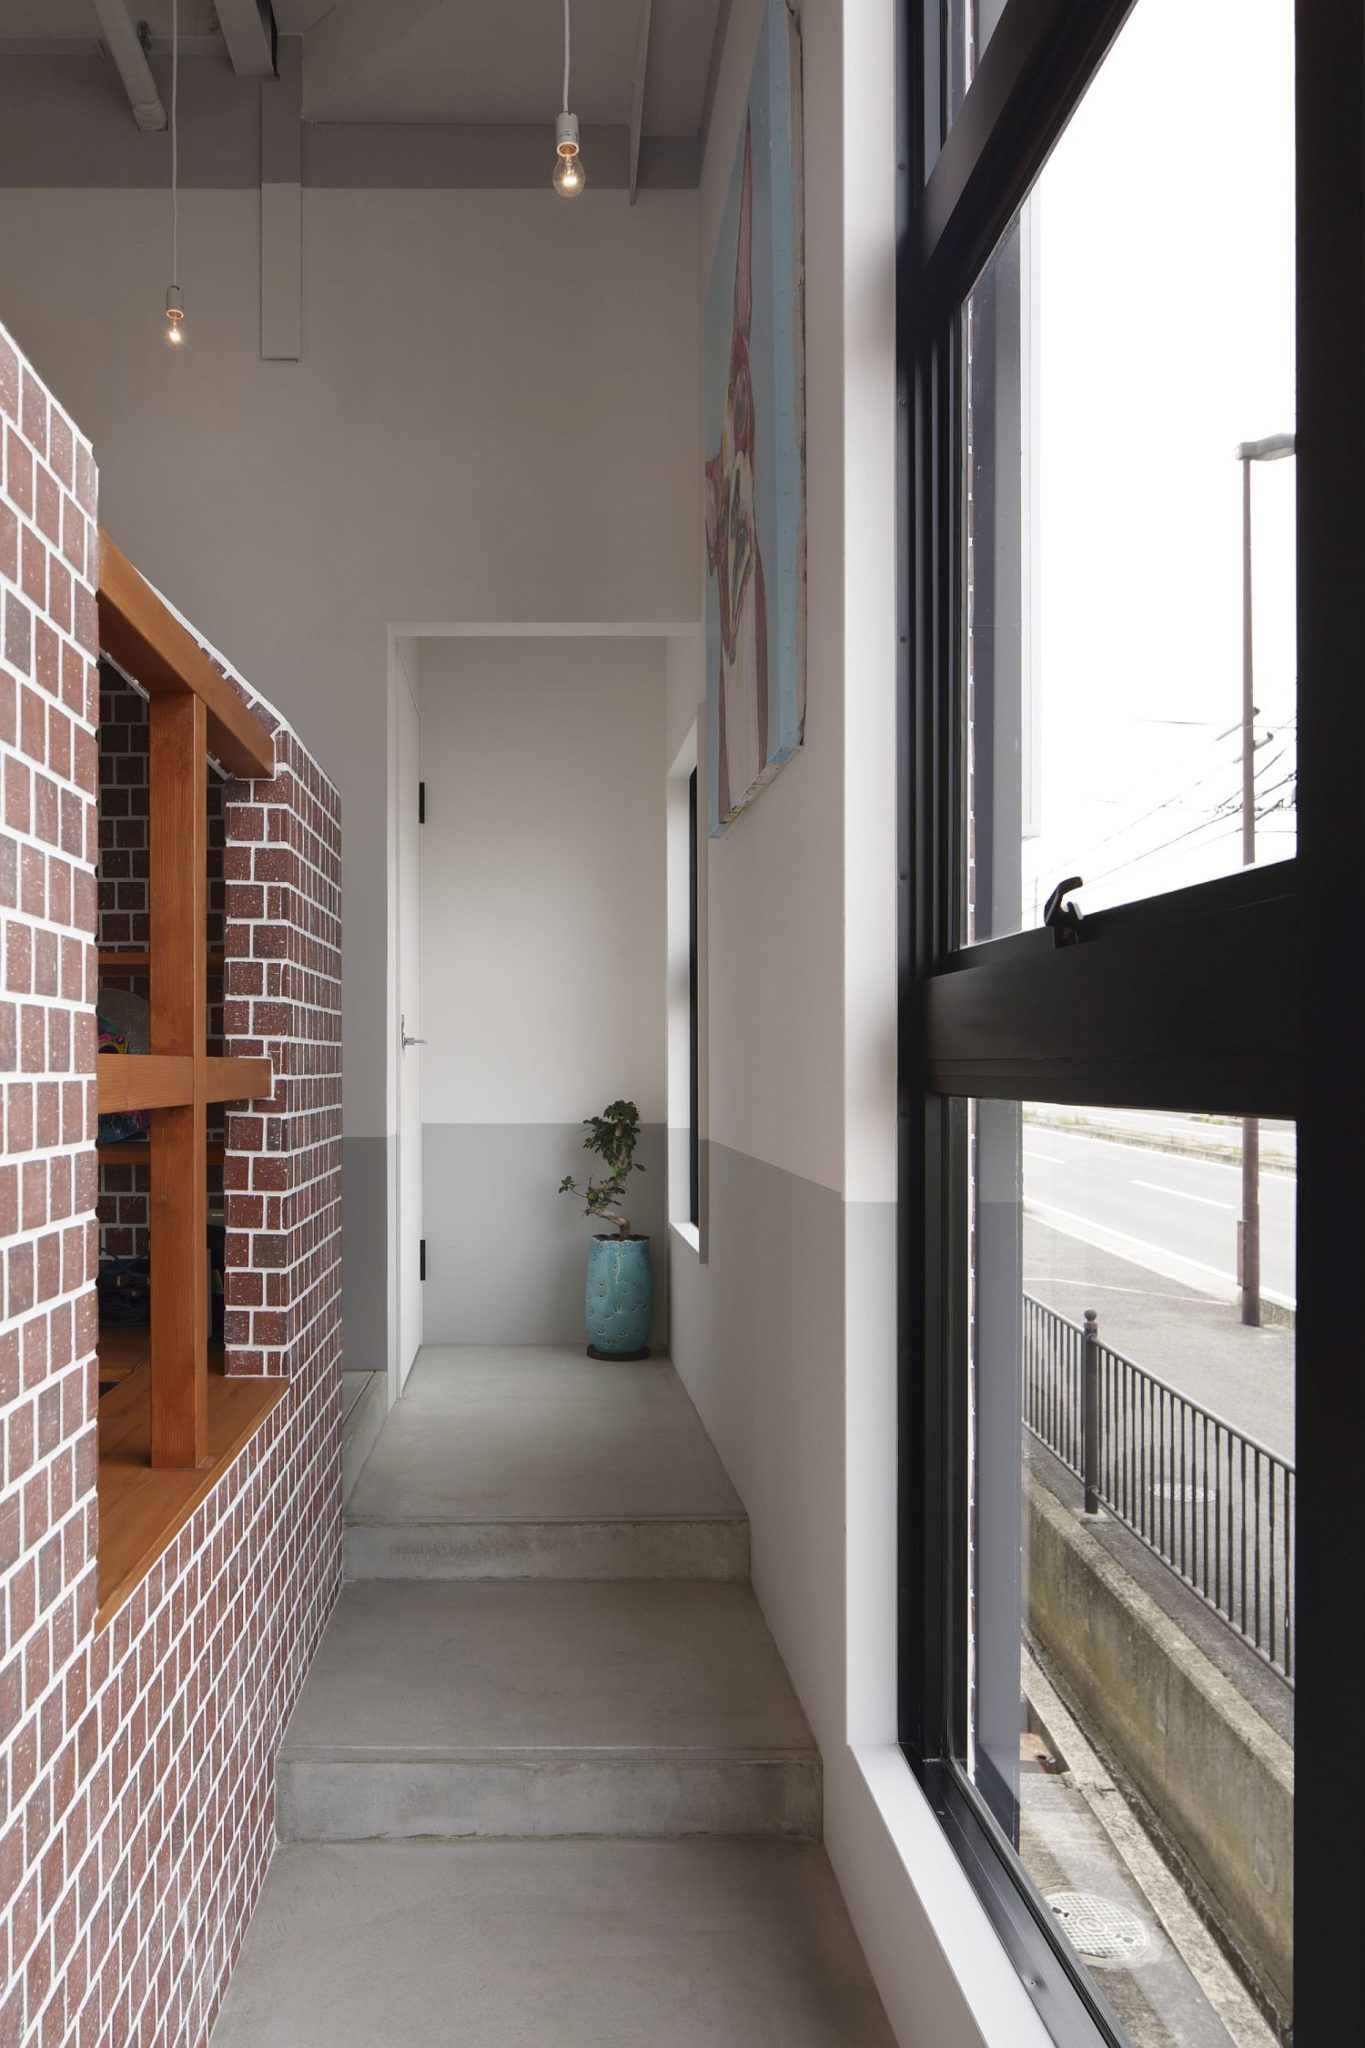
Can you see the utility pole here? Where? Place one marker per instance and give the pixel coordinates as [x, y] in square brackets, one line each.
[1249, 1227]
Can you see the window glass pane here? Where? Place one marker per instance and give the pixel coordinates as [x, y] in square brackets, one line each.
[1130, 1582]
[1129, 573]
[967, 27]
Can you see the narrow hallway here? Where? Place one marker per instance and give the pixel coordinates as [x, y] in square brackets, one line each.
[547, 1781]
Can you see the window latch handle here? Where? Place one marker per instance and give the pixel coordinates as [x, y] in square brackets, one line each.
[1061, 918]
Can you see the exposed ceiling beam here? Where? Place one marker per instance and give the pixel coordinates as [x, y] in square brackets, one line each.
[349, 38]
[637, 97]
[249, 31]
[130, 59]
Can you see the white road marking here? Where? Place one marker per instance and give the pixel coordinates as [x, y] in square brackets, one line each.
[1100, 1287]
[1209, 1280]
[1180, 1194]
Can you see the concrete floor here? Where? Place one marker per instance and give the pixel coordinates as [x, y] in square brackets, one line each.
[552, 1945]
[542, 1463]
[546, 1708]
[548, 1785]
[546, 1665]
[538, 1433]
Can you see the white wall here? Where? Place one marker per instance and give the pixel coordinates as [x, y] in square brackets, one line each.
[493, 418]
[542, 879]
[786, 1336]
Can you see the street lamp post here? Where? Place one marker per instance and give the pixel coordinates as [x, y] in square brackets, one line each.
[1271, 449]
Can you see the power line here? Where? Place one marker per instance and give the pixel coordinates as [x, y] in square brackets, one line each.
[1182, 795]
[1224, 811]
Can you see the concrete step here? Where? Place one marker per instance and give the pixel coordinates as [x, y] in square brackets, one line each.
[362, 1419]
[536, 1708]
[519, 1547]
[561, 1944]
[540, 1463]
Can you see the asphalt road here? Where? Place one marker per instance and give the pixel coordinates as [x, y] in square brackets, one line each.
[1184, 1335]
[1175, 1216]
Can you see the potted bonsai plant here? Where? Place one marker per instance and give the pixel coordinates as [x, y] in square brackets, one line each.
[619, 1298]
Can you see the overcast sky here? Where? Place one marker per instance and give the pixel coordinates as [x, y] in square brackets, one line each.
[1166, 337]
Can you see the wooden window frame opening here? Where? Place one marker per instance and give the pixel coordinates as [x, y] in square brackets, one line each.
[153, 1476]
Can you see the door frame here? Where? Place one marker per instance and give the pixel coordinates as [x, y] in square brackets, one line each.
[401, 682]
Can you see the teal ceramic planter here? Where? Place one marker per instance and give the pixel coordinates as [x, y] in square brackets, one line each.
[619, 1298]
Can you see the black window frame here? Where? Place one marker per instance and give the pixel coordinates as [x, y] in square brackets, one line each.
[1017, 1018]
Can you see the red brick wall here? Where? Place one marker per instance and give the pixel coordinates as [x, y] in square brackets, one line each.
[282, 867]
[136, 1761]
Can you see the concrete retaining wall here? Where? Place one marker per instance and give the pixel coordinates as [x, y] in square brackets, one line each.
[1218, 1775]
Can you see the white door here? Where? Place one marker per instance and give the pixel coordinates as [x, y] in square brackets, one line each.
[408, 1027]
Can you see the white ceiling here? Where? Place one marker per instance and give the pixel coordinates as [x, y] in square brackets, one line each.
[476, 62]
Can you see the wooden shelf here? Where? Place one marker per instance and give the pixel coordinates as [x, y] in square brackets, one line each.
[134, 962]
[143, 1080]
[138, 1152]
[163, 1080]
[238, 1080]
[143, 1508]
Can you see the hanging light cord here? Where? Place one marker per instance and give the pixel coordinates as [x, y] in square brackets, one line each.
[566, 56]
[175, 142]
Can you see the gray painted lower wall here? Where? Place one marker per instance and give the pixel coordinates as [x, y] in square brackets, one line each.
[366, 1167]
[505, 1253]
[758, 1338]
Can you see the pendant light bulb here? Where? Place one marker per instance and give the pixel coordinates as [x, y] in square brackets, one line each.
[569, 175]
[175, 305]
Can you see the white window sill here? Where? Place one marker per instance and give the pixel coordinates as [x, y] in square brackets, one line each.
[689, 1234]
[999, 2007]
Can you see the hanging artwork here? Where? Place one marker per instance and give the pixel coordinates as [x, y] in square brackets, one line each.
[755, 438]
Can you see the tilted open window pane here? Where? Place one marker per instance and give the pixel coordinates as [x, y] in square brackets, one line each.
[1130, 1635]
[1128, 582]
[966, 26]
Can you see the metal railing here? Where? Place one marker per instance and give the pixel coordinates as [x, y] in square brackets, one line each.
[1213, 1503]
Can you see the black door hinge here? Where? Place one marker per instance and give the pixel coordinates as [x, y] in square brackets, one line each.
[421, 803]
[422, 1259]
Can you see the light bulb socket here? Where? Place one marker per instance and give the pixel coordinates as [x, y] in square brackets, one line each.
[566, 135]
[175, 305]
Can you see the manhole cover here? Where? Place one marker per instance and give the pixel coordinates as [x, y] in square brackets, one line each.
[1099, 1929]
